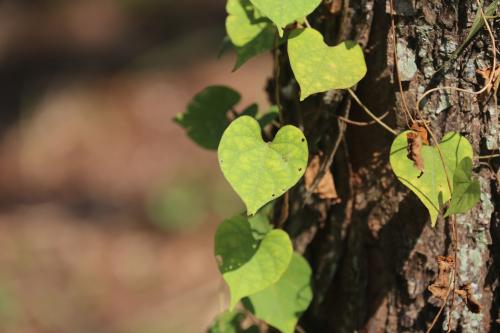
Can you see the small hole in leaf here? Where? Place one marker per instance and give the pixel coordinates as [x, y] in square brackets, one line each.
[302, 139]
[273, 195]
[300, 169]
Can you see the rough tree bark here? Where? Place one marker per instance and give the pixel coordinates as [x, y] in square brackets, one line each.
[374, 253]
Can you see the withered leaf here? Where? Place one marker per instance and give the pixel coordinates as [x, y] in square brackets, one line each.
[326, 187]
[466, 293]
[419, 127]
[415, 150]
[440, 287]
[485, 73]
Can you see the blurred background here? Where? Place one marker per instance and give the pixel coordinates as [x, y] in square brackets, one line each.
[107, 209]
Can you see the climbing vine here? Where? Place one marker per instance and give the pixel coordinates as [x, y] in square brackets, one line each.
[255, 257]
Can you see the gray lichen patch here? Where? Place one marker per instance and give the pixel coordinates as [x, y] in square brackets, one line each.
[492, 135]
[406, 61]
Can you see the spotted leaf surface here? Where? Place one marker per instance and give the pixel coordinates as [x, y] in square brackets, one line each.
[284, 12]
[258, 171]
[249, 265]
[319, 67]
[431, 187]
[281, 304]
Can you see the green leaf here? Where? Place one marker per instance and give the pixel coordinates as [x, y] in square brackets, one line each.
[206, 116]
[243, 22]
[260, 225]
[283, 303]
[251, 111]
[318, 67]
[249, 265]
[431, 187]
[258, 171]
[269, 117]
[250, 32]
[225, 46]
[262, 43]
[284, 12]
[466, 191]
[230, 322]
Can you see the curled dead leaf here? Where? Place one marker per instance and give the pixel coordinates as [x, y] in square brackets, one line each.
[415, 151]
[440, 286]
[485, 73]
[418, 126]
[466, 293]
[326, 186]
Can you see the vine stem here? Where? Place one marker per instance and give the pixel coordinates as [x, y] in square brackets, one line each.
[374, 117]
[485, 157]
[442, 307]
[452, 219]
[307, 23]
[455, 241]
[361, 123]
[406, 110]
[277, 73]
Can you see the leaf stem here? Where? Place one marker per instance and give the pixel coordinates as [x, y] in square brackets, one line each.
[277, 73]
[406, 110]
[307, 22]
[485, 157]
[374, 117]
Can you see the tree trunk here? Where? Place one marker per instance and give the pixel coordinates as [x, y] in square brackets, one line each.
[374, 253]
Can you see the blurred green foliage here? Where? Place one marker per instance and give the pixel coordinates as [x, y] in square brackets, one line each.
[185, 204]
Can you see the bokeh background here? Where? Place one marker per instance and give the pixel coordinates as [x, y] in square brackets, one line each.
[107, 209]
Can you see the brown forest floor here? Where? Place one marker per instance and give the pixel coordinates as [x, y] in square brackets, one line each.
[78, 252]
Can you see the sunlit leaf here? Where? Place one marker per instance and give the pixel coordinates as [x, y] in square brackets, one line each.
[258, 171]
[431, 186]
[281, 304]
[466, 191]
[284, 12]
[319, 67]
[249, 265]
[250, 32]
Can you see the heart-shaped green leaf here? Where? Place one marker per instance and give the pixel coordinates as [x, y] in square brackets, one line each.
[281, 304]
[466, 191]
[247, 264]
[284, 12]
[431, 187]
[250, 32]
[206, 117]
[258, 171]
[318, 67]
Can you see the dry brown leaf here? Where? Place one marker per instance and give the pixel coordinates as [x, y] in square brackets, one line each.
[465, 292]
[326, 187]
[440, 287]
[415, 151]
[419, 127]
[485, 73]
